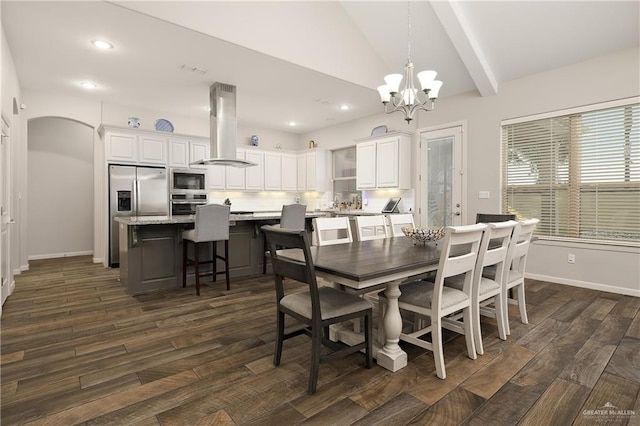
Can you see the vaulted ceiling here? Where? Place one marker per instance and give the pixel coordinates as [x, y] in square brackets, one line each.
[299, 61]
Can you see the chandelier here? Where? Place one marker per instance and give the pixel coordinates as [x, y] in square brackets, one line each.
[409, 99]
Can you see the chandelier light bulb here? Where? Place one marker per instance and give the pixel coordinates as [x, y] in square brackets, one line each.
[393, 81]
[435, 89]
[426, 78]
[385, 96]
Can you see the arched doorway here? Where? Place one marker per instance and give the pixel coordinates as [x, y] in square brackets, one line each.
[59, 188]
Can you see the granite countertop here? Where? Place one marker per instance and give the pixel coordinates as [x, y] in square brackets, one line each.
[178, 219]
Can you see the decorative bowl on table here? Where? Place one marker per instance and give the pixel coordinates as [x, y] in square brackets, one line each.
[423, 235]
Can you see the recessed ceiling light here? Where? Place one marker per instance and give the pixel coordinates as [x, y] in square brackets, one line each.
[345, 107]
[101, 44]
[88, 84]
[292, 123]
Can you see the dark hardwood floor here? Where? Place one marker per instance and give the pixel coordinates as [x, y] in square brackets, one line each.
[76, 349]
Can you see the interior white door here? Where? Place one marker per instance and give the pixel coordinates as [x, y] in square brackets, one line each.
[442, 177]
[5, 219]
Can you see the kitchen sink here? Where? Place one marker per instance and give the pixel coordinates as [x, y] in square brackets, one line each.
[241, 212]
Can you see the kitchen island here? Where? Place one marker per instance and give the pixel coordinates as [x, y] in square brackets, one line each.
[151, 248]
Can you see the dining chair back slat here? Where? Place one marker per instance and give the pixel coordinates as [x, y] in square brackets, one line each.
[332, 230]
[371, 228]
[399, 221]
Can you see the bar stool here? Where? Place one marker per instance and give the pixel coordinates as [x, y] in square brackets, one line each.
[211, 225]
[292, 217]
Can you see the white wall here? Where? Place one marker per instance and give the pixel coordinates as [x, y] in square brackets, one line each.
[10, 90]
[602, 79]
[60, 188]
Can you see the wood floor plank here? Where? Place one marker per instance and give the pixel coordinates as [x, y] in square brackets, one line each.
[506, 407]
[399, 411]
[455, 407]
[610, 390]
[342, 413]
[488, 380]
[559, 404]
[612, 329]
[625, 361]
[76, 349]
[589, 363]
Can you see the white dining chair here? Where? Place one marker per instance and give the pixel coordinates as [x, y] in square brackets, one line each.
[399, 221]
[371, 228]
[514, 290]
[486, 293]
[332, 230]
[437, 301]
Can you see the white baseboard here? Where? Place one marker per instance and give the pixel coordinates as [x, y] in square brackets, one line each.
[12, 287]
[98, 260]
[56, 255]
[586, 284]
[24, 268]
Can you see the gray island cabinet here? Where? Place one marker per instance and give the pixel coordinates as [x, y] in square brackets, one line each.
[151, 249]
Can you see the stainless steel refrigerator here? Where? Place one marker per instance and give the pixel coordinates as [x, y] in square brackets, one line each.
[134, 191]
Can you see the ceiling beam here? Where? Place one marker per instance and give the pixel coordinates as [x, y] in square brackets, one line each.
[466, 45]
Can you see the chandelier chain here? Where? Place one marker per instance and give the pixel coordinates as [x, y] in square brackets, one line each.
[409, 31]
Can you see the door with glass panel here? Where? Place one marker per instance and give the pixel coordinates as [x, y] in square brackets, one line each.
[441, 178]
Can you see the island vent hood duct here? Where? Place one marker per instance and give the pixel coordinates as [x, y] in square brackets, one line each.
[224, 128]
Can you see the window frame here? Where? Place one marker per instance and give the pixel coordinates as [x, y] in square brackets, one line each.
[570, 185]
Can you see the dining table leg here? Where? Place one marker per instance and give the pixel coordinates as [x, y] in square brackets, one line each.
[391, 356]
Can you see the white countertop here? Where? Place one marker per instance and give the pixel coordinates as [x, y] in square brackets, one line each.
[178, 219]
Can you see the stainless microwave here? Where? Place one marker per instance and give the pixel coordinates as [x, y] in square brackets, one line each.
[186, 180]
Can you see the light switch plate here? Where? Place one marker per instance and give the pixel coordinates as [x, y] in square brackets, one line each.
[484, 194]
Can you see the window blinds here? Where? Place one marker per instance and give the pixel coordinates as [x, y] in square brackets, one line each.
[578, 173]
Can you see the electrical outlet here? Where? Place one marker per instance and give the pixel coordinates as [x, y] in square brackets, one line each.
[484, 194]
[571, 258]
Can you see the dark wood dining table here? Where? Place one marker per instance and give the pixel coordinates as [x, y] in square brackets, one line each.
[368, 264]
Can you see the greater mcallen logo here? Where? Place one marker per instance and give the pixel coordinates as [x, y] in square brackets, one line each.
[609, 410]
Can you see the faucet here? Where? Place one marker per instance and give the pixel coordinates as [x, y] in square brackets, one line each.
[227, 202]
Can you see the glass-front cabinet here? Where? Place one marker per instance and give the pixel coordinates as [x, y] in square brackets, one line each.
[344, 178]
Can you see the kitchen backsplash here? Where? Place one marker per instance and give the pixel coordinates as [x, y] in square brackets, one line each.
[268, 201]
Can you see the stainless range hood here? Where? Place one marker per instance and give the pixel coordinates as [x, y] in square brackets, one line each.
[224, 128]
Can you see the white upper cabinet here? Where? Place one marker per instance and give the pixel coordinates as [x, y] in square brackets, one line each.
[235, 175]
[289, 174]
[198, 150]
[272, 171]
[384, 162]
[301, 172]
[366, 165]
[312, 171]
[254, 174]
[184, 151]
[216, 177]
[121, 147]
[178, 153]
[152, 149]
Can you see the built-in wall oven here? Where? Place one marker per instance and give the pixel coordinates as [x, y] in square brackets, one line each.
[188, 180]
[185, 203]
